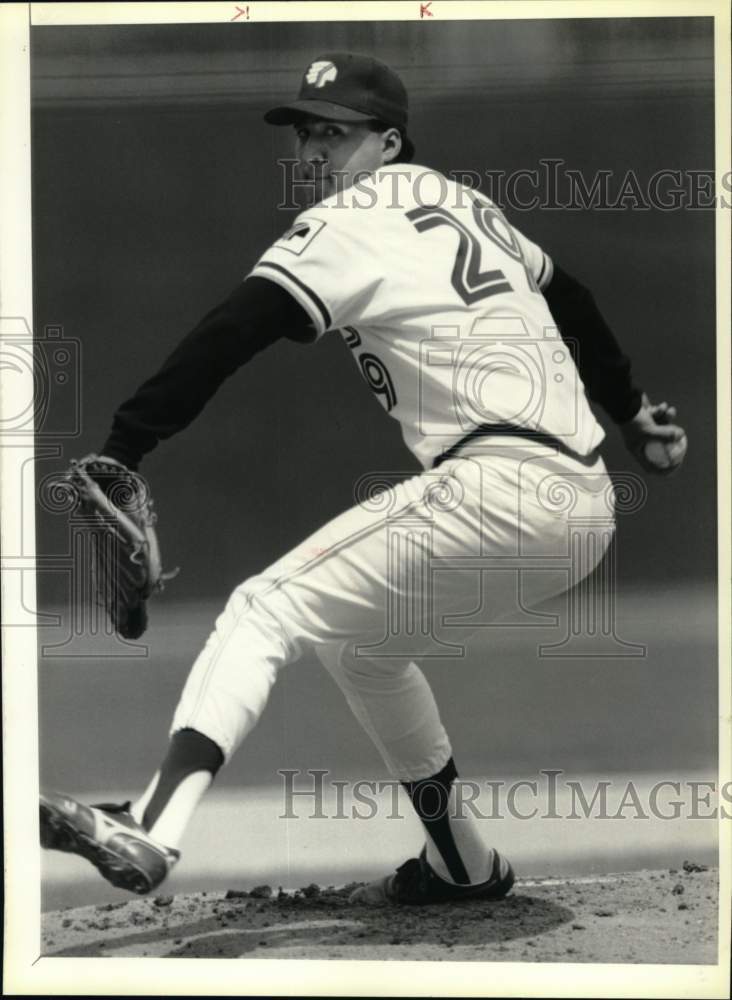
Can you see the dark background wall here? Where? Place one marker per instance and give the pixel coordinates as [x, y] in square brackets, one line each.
[154, 191]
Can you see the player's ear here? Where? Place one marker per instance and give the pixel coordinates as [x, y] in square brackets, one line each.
[391, 144]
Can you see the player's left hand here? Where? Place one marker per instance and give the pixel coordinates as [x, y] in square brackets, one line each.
[654, 439]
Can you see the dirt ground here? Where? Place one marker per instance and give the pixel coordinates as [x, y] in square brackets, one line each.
[655, 917]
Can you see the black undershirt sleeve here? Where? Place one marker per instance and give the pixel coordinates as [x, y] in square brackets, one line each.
[260, 312]
[256, 314]
[603, 367]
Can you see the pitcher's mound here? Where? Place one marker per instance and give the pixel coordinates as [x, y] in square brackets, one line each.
[655, 917]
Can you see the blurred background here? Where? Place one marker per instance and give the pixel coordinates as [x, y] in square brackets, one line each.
[155, 188]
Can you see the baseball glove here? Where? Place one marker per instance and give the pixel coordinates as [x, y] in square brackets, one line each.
[125, 568]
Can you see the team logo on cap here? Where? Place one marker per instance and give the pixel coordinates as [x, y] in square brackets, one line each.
[320, 72]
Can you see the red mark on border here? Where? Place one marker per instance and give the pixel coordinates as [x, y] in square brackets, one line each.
[424, 9]
[241, 10]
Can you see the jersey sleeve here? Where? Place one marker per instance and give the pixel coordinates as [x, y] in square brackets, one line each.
[328, 266]
[255, 315]
[537, 261]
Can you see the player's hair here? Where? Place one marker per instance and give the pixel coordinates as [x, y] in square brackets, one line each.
[375, 125]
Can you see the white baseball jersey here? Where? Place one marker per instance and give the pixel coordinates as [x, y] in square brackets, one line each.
[439, 299]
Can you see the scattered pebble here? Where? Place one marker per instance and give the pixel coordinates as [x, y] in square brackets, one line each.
[678, 889]
[163, 901]
[604, 913]
[694, 866]
[683, 906]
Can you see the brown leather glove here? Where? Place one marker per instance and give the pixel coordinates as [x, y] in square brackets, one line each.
[125, 566]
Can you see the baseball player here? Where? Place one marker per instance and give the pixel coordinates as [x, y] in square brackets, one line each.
[452, 316]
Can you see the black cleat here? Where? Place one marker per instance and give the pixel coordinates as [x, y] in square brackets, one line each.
[118, 847]
[415, 884]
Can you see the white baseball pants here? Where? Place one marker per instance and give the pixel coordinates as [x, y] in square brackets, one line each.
[387, 582]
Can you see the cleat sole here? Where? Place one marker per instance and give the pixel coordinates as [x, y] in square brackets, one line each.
[59, 834]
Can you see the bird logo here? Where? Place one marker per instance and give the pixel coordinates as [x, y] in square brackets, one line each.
[321, 72]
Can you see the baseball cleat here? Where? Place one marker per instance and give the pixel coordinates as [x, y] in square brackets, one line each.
[415, 883]
[107, 835]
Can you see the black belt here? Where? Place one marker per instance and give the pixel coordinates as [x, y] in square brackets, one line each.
[509, 430]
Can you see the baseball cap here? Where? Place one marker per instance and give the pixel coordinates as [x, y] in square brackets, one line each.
[348, 87]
